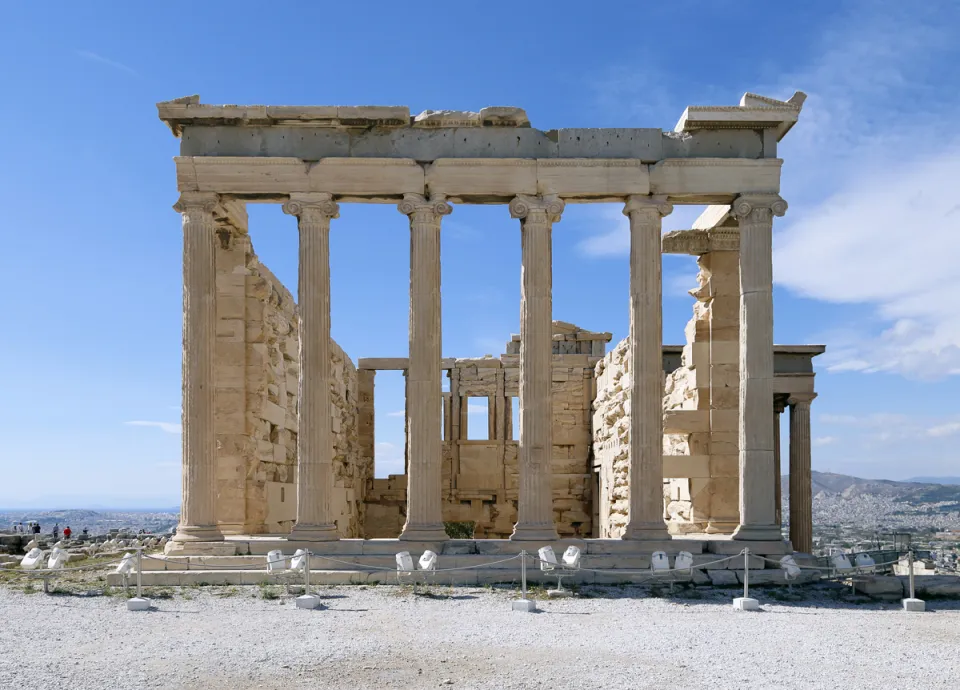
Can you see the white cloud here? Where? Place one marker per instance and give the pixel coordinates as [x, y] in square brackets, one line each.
[397, 413]
[168, 427]
[94, 57]
[948, 429]
[869, 174]
[824, 440]
[473, 408]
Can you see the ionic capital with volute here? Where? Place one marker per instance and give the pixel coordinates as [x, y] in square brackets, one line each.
[314, 207]
[424, 209]
[758, 207]
[196, 203]
[650, 205]
[546, 208]
[801, 398]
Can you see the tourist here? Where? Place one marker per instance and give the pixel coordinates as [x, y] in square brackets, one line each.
[36, 528]
[56, 531]
[67, 532]
[85, 533]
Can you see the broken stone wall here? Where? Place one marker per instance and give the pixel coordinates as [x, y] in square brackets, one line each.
[700, 415]
[481, 476]
[611, 440]
[256, 374]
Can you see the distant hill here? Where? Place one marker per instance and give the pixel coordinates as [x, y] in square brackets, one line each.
[934, 480]
[911, 491]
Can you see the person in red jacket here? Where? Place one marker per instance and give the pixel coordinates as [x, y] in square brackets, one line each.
[67, 532]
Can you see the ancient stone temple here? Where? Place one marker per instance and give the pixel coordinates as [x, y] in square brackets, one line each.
[626, 450]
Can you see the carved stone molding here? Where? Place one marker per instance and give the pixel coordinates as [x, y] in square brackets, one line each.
[436, 205]
[311, 208]
[196, 202]
[697, 242]
[754, 206]
[523, 206]
[642, 204]
[801, 398]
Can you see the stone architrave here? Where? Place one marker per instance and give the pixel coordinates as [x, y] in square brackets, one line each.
[758, 520]
[801, 490]
[646, 368]
[424, 388]
[314, 436]
[535, 506]
[198, 522]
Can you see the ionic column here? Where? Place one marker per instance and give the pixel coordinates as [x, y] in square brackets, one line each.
[758, 519]
[778, 407]
[198, 520]
[315, 521]
[801, 490]
[424, 390]
[646, 369]
[535, 509]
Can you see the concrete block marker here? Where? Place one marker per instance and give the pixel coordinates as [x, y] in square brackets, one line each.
[308, 601]
[525, 605]
[911, 604]
[746, 604]
[138, 604]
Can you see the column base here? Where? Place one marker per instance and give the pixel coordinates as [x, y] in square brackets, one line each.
[758, 533]
[429, 532]
[534, 532]
[646, 531]
[721, 526]
[200, 548]
[313, 533]
[188, 533]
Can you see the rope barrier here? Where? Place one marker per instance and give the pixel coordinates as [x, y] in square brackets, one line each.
[47, 572]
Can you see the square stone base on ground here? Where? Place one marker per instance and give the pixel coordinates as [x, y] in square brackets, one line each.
[308, 601]
[914, 605]
[525, 605]
[138, 604]
[746, 604]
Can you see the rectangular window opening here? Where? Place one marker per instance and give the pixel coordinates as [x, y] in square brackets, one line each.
[478, 419]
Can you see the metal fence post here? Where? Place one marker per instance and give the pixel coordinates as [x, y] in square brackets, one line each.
[306, 572]
[913, 593]
[523, 573]
[139, 569]
[746, 572]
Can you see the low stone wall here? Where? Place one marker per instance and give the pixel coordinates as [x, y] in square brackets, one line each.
[256, 374]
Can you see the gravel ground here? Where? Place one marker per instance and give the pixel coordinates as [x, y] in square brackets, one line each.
[387, 637]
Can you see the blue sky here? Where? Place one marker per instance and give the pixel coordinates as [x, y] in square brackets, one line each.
[864, 260]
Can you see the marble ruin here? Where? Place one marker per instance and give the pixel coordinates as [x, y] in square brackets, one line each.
[653, 446]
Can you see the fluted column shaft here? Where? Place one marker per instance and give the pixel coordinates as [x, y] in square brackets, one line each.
[424, 388]
[315, 521]
[778, 405]
[646, 369]
[757, 510]
[801, 490]
[535, 506]
[198, 520]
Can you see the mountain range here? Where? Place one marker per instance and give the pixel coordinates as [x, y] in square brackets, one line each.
[915, 490]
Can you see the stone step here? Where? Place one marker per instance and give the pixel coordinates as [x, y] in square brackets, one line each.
[260, 546]
[173, 578]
